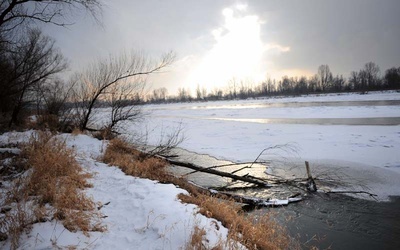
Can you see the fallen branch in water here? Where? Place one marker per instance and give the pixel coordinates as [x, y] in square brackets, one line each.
[253, 202]
[351, 192]
[227, 165]
[247, 178]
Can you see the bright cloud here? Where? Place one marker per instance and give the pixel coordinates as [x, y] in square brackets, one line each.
[277, 48]
[238, 51]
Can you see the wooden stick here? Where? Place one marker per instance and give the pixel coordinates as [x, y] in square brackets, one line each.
[308, 170]
[311, 186]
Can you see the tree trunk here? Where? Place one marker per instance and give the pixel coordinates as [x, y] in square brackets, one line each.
[247, 178]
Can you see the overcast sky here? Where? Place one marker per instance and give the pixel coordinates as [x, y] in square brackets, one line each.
[216, 40]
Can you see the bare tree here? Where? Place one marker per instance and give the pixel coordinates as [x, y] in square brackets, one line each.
[55, 94]
[372, 72]
[324, 77]
[354, 80]
[338, 83]
[36, 61]
[392, 78]
[158, 95]
[204, 92]
[233, 88]
[301, 85]
[15, 13]
[163, 94]
[95, 83]
[121, 98]
[198, 93]
[184, 95]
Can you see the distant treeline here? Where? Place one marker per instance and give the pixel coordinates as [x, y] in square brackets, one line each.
[366, 79]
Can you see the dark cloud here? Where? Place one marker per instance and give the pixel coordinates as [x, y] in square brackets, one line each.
[342, 34]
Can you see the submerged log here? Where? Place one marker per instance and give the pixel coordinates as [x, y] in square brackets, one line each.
[351, 192]
[251, 202]
[247, 178]
[258, 202]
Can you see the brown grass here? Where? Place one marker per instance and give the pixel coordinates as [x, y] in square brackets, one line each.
[260, 232]
[13, 223]
[196, 239]
[58, 179]
[54, 177]
[51, 122]
[133, 162]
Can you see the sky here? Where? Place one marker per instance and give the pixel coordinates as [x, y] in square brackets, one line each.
[216, 41]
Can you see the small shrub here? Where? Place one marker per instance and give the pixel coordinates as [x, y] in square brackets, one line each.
[196, 239]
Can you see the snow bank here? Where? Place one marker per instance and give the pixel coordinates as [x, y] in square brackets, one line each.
[138, 213]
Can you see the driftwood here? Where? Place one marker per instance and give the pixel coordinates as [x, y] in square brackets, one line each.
[305, 184]
[246, 178]
[257, 202]
[250, 201]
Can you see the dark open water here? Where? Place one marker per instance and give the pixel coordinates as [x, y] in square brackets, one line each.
[342, 222]
[325, 221]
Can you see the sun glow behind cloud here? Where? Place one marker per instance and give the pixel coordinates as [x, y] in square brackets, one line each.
[237, 52]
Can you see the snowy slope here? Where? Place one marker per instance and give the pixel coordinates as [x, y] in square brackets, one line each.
[140, 213]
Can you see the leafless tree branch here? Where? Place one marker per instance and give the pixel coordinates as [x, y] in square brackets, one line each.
[98, 81]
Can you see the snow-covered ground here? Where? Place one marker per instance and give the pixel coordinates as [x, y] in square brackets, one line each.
[140, 213]
[143, 214]
[239, 130]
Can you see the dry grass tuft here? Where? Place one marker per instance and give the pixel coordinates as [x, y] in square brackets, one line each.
[196, 239]
[53, 177]
[56, 176]
[57, 179]
[260, 232]
[13, 223]
[51, 122]
[77, 131]
[105, 133]
[133, 162]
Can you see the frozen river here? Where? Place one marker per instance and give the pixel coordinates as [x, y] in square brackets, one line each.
[353, 137]
[359, 134]
[356, 128]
